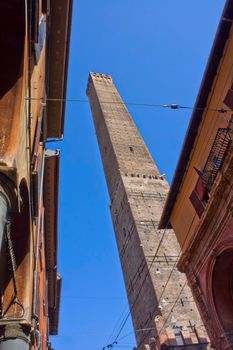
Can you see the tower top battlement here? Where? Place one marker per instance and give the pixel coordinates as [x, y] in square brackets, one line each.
[97, 77]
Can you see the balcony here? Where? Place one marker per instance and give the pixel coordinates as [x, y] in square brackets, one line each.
[216, 157]
[200, 195]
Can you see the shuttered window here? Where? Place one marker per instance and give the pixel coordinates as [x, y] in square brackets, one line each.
[45, 6]
[197, 203]
[229, 99]
[201, 189]
[178, 335]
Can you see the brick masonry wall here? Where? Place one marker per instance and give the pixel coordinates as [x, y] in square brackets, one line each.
[158, 294]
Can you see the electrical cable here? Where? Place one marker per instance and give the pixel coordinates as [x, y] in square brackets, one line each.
[173, 106]
[174, 267]
[91, 298]
[153, 260]
[140, 289]
[119, 320]
[165, 322]
[110, 345]
[137, 275]
[170, 275]
[170, 106]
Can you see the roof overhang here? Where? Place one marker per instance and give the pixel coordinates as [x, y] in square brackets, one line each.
[51, 184]
[54, 312]
[205, 89]
[57, 64]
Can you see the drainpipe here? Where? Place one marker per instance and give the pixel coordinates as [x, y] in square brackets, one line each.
[16, 344]
[4, 208]
[13, 336]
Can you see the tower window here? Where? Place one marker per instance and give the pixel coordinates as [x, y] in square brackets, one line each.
[178, 335]
[131, 149]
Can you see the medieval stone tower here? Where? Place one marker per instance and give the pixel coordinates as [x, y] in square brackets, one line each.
[163, 310]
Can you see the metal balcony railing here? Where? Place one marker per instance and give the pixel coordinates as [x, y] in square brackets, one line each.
[216, 157]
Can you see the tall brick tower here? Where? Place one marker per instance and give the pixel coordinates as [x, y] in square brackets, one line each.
[163, 310]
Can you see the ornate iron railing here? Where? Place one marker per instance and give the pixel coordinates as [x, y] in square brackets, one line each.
[216, 157]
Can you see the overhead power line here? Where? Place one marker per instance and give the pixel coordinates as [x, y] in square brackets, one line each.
[137, 296]
[169, 277]
[172, 106]
[92, 297]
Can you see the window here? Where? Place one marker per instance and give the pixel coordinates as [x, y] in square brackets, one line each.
[41, 38]
[178, 335]
[199, 197]
[200, 189]
[229, 99]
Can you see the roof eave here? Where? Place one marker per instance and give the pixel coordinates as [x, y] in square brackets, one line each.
[196, 118]
[51, 186]
[58, 72]
[54, 312]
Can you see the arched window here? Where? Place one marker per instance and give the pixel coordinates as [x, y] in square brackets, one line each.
[222, 287]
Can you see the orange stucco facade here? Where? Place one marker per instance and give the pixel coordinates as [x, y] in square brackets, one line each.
[186, 225]
[29, 282]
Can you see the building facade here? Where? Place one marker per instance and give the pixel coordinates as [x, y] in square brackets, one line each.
[34, 40]
[162, 307]
[200, 201]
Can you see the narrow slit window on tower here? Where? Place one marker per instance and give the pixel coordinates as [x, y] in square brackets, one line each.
[178, 335]
[229, 98]
[131, 149]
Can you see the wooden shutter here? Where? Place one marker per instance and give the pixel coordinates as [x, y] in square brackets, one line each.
[229, 99]
[200, 189]
[45, 6]
[197, 203]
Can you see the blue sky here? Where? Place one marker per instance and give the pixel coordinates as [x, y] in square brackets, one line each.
[156, 52]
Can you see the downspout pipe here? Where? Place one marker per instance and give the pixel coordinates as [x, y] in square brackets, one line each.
[13, 336]
[4, 209]
[14, 344]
